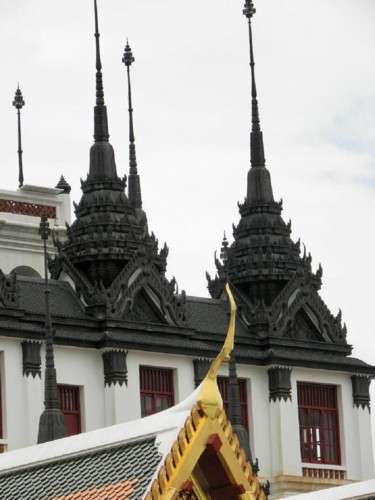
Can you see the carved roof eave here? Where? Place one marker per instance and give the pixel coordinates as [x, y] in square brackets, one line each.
[117, 301]
[300, 292]
[141, 274]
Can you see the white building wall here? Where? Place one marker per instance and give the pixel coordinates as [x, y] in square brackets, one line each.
[274, 428]
[84, 368]
[20, 242]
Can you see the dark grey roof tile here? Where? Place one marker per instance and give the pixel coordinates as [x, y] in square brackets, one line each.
[90, 470]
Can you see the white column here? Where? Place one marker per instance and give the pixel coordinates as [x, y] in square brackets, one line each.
[364, 444]
[284, 438]
[116, 401]
[33, 397]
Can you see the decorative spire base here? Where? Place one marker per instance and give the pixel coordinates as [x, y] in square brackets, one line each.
[51, 426]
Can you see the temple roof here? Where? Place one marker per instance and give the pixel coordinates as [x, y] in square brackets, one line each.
[22, 317]
[109, 254]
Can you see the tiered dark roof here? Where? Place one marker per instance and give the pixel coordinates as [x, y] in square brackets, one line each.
[274, 286]
[114, 262]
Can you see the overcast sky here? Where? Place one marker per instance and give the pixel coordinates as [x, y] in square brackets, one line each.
[191, 96]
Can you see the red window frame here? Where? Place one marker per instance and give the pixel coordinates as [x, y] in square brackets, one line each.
[156, 389]
[223, 384]
[318, 423]
[70, 406]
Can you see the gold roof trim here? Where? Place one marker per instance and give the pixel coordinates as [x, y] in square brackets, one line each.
[191, 442]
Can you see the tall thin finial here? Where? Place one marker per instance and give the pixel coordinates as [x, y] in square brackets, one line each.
[18, 103]
[52, 422]
[100, 110]
[224, 250]
[256, 140]
[134, 191]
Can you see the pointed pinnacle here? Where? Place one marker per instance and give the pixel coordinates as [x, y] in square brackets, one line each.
[128, 58]
[18, 101]
[249, 9]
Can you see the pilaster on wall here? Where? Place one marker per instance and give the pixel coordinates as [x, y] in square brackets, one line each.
[31, 358]
[115, 386]
[201, 367]
[116, 401]
[361, 409]
[33, 387]
[33, 397]
[284, 424]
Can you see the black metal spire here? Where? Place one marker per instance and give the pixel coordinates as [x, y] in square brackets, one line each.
[234, 409]
[52, 422]
[18, 103]
[224, 249]
[259, 185]
[134, 190]
[100, 110]
[257, 149]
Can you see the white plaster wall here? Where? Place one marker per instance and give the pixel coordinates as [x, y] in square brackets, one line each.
[20, 242]
[363, 424]
[84, 368]
[274, 430]
[183, 377]
[17, 396]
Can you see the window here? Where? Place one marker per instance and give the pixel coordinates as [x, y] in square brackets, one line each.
[318, 423]
[223, 384]
[156, 386]
[70, 407]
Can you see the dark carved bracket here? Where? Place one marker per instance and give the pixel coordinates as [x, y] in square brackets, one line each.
[361, 391]
[31, 359]
[8, 295]
[279, 384]
[201, 367]
[115, 368]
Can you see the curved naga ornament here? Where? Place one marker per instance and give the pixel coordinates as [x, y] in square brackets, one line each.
[209, 399]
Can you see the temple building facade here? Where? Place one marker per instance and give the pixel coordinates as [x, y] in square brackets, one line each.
[127, 343]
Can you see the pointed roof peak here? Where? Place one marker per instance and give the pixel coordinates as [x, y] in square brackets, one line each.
[259, 188]
[257, 148]
[134, 191]
[100, 110]
[62, 184]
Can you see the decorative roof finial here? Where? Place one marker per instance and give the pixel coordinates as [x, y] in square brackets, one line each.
[134, 190]
[100, 110]
[52, 422]
[224, 249]
[256, 139]
[209, 399]
[18, 103]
